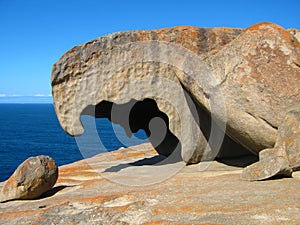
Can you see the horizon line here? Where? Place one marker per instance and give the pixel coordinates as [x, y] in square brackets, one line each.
[17, 95]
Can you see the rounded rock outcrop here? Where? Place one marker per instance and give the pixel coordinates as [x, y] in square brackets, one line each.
[245, 79]
[35, 176]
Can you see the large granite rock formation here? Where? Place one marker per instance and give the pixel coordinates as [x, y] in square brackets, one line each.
[34, 177]
[170, 82]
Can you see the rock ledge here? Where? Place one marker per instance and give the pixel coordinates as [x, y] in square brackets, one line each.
[217, 195]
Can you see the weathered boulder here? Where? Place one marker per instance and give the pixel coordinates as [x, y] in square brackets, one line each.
[32, 178]
[260, 79]
[284, 158]
[246, 79]
[124, 66]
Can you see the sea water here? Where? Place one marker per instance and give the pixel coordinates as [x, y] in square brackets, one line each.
[33, 129]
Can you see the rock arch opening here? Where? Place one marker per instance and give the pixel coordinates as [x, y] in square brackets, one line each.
[134, 116]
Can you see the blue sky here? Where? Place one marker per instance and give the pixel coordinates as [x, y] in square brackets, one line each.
[34, 34]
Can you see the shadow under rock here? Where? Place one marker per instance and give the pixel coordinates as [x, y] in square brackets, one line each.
[276, 177]
[241, 161]
[54, 190]
[154, 161]
[47, 194]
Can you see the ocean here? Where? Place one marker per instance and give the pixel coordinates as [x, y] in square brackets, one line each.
[33, 129]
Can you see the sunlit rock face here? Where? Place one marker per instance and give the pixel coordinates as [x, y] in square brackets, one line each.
[35, 176]
[246, 79]
[96, 191]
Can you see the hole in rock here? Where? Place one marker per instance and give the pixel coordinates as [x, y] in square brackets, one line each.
[101, 135]
[123, 125]
[143, 121]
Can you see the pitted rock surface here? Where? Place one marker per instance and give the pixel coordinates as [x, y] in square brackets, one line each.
[256, 70]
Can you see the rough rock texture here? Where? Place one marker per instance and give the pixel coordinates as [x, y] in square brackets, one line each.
[285, 157]
[252, 73]
[89, 192]
[295, 32]
[32, 178]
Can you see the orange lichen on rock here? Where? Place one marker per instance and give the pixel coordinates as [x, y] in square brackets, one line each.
[188, 197]
[197, 40]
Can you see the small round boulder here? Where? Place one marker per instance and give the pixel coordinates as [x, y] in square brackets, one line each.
[35, 176]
